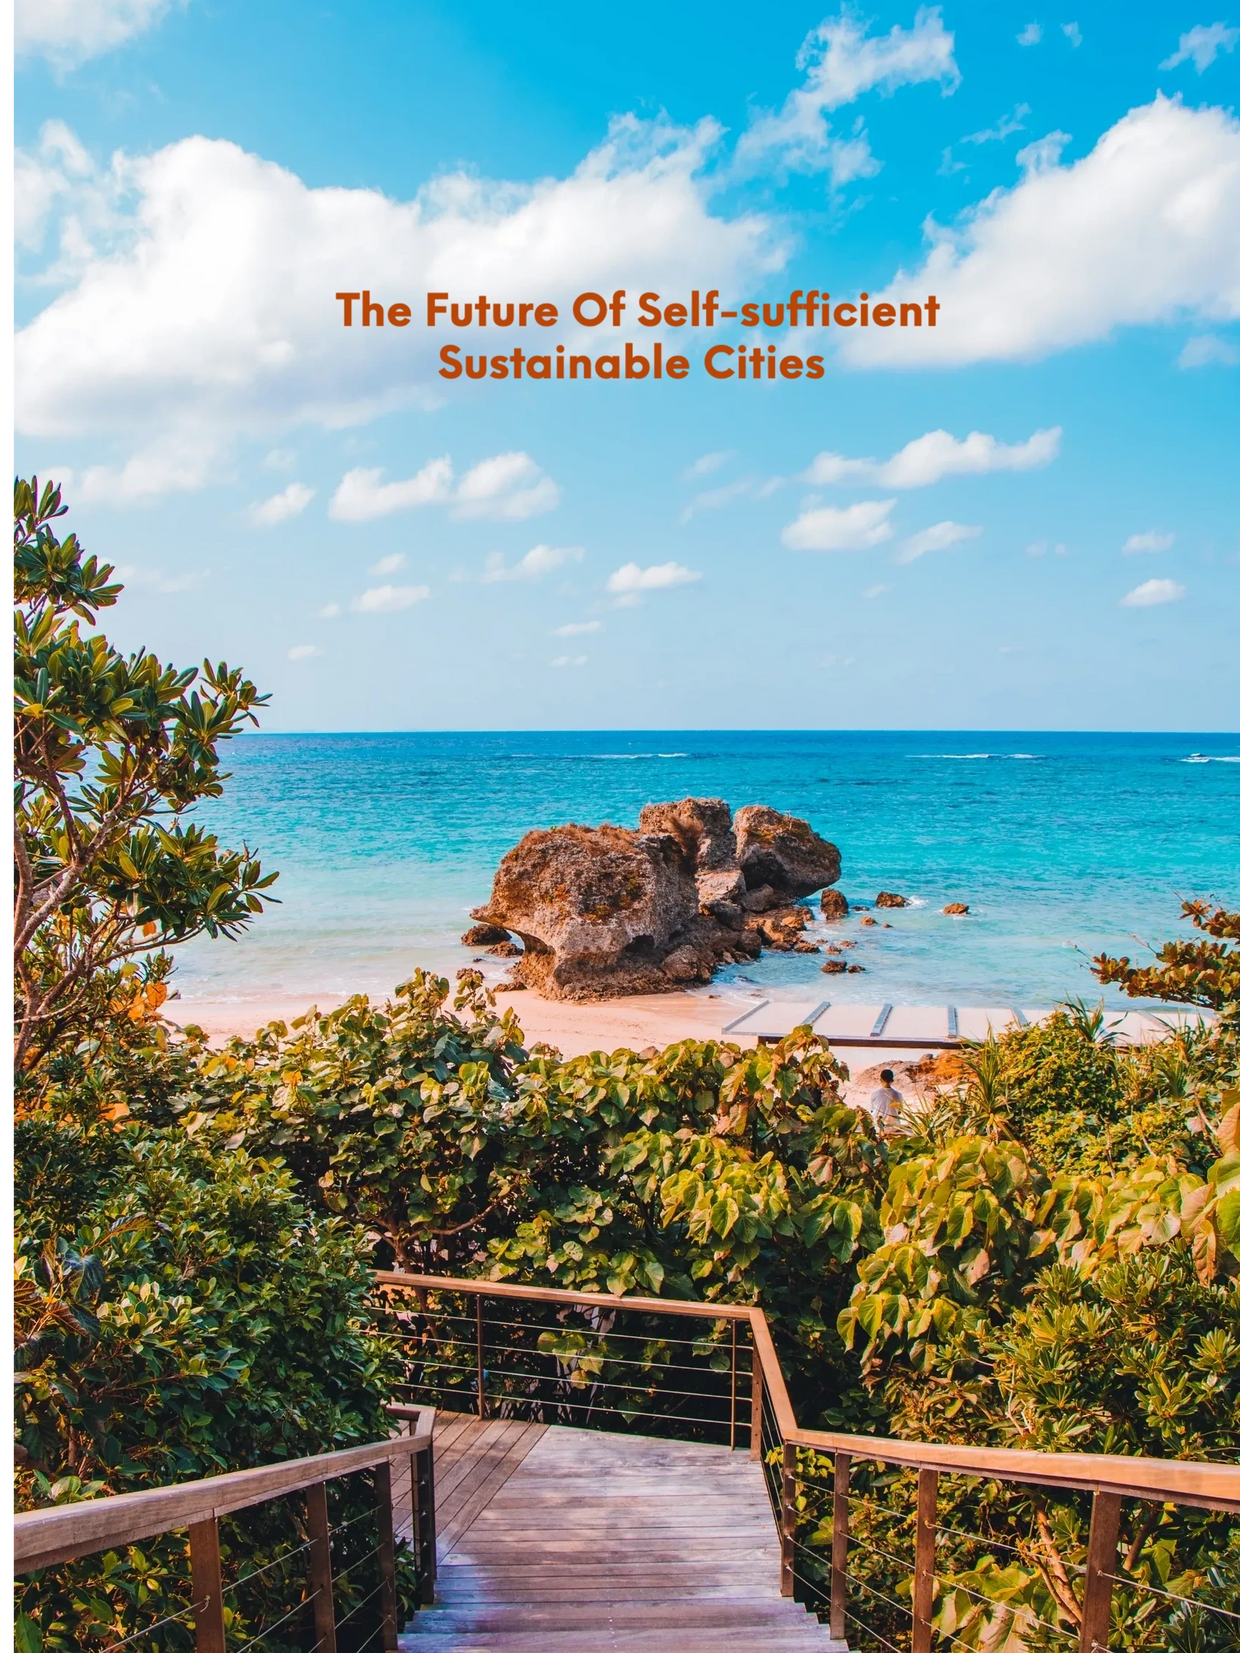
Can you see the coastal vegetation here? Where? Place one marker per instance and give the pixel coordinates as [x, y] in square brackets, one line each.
[1047, 1257]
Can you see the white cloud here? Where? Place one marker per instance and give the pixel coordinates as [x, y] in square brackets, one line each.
[509, 487]
[198, 280]
[1030, 35]
[570, 660]
[875, 590]
[1205, 349]
[391, 564]
[1202, 44]
[1143, 229]
[1039, 548]
[841, 62]
[363, 495]
[1072, 34]
[57, 169]
[629, 580]
[854, 528]
[1153, 541]
[280, 459]
[389, 599]
[290, 502]
[746, 487]
[303, 651]
[705, 465]
[578, 628]
[543, 559]
[929, 458]
[331, 612]
[1006, 125]
[67, 32]
[937, 538]
[179, 463]
[1152, 593]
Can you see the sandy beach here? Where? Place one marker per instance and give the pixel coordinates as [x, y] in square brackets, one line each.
[574, 1029]
[632, 1023]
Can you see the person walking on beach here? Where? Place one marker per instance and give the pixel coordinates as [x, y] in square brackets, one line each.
[885, 1105]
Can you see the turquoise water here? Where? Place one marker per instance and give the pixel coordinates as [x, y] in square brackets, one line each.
[1061, 844]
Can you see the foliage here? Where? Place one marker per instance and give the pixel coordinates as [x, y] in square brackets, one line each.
[179, 1312]
[1058, 1271]
[702, 1171]
[1205, 973]
[110, 752]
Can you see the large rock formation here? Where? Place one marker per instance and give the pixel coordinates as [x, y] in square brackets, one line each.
[603, 911]
[784, 852]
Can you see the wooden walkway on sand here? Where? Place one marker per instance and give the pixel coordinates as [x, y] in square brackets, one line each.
[932, 1027]
[553, 1540]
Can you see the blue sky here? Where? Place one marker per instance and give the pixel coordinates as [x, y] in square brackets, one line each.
[197, 180]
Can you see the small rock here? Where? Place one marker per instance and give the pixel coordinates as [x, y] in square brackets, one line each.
[886, 926]
[856, 969]
[887, 898]
[833, 904]
[505, 950]
[509, 986]
[872, 922]
[834, 967]
[806, 947]
[956, 908]
[484, 935]
[831, 947]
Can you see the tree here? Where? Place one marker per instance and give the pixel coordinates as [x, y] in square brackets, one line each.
[112, 751]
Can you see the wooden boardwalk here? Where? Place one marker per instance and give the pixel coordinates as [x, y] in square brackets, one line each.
[553, 1540]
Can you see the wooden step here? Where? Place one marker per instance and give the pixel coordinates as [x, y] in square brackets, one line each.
[768, 1639]
[652, 1614]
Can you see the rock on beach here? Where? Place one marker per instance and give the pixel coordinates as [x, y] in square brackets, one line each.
[605, 911]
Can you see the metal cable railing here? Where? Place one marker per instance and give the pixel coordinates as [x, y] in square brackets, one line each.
[844, 1506]
[343, 1582]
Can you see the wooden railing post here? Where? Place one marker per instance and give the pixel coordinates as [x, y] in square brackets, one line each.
[1100, 1564]
[321, 1568]
[207, 1585]
[482, 1399]
[787, 1520]
[422, 1480]
[839, 1543]
[387, 1557]
[923, 1573]
[755, 1402]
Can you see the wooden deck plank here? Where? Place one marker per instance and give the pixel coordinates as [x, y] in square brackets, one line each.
[558, 1540]
[475, 1492]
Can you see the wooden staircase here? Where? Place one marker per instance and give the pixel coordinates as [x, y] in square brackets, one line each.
[553, 1539]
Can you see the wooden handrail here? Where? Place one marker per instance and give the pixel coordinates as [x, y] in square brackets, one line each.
[1170, 1480]
[65, 1531]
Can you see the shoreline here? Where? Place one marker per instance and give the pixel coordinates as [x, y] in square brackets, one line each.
[633, 1023]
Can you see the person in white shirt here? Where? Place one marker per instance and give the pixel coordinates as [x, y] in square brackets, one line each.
[885, 1105]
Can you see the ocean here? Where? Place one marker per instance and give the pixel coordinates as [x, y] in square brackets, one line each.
[1062, 845]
